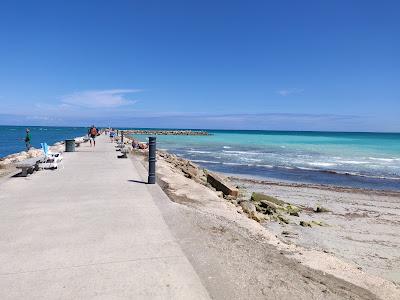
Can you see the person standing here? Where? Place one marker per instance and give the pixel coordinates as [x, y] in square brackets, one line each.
[28, 139]
[92, 135]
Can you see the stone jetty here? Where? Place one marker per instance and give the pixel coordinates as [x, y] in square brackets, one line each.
[166, 132]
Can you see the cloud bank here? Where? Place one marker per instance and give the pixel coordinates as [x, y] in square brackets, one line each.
[100, 98]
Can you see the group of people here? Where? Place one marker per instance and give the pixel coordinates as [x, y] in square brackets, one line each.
[92, 133]
[112, 133]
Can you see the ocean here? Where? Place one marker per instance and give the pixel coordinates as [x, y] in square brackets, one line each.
[11, 137]
[362, 160]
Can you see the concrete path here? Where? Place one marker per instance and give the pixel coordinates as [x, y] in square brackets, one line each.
[89, 230]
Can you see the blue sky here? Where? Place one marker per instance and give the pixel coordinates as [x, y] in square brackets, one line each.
[300, 65]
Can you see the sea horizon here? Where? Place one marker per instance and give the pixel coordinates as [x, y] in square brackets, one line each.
[204, 129]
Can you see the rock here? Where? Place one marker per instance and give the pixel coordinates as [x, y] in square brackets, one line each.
[305, 224]
[293, 210]
[220, 185]
[234, 202]
[190, 171]
[270, 205]
[259, 217]
[282, 219]
[257, 197]
[220, 194]
[319, 223]
[248, 207]
[321, 209]
[288, 233]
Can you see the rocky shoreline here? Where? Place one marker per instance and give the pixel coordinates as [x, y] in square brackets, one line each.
[7, 163]
[285, 222]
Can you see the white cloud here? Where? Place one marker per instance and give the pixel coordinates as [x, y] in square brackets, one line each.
[100, 98]
[288, 92]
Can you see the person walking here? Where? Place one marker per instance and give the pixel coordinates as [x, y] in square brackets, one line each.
[92, 135]
[28, 139]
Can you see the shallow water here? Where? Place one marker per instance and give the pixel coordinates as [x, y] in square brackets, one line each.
[363, 160]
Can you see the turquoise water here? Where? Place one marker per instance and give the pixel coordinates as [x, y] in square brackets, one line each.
[366, 160]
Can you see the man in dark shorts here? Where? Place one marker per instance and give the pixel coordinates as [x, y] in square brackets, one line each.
[28, 139]
[92, 135]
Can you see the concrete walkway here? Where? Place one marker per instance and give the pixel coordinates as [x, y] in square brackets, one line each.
[89, 230]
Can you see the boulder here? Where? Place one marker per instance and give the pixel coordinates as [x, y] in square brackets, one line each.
[305, 224]
[282, 219]
[318, 223]
[321, 209]
[270, 206]
[190, 171]
[220, 185]
[259, 196]
[248, 207]
[293, 210]
[256, 216]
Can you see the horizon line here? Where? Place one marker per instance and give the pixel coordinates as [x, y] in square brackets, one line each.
[207, 129]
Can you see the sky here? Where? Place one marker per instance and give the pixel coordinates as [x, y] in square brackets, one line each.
[279, 65]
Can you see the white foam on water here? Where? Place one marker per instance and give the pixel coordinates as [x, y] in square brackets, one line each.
[205, 161]
[200, 152]
[226, 147]
[384, 159]
[322, 164]
[234, 164]
[241, 152]
[353, 162]
[251, 159]
[265, 166]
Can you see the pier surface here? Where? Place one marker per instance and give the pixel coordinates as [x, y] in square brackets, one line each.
[90, 229]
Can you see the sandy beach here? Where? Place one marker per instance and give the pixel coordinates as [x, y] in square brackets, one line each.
[358, 242]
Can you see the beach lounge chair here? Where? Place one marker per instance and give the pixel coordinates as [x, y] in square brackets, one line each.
[51, 159]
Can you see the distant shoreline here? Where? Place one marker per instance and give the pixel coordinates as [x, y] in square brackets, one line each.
[213, 129]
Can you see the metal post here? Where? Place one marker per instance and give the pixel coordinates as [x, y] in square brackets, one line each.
[152, 160]
[122, 136]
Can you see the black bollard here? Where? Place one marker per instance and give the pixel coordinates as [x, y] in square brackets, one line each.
[122, 136]
[152, 160]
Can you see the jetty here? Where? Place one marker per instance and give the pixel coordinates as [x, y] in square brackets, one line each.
[166, 132]
[91, 229]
